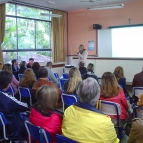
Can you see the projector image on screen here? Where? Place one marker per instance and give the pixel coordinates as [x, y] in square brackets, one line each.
[126, 42]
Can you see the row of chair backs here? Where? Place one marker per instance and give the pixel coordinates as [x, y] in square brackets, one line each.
[10, 91]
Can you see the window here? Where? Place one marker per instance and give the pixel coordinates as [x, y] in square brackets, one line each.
[27, 34]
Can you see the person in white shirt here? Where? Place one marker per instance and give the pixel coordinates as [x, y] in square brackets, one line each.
[82, 54]
[51, 74]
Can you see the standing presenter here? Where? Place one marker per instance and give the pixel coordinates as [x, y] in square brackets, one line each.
[82, 54]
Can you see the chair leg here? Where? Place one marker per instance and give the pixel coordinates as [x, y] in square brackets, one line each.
[120, 135]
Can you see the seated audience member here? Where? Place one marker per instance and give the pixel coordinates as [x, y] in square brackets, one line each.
[119, 73]
[28, 79]
[74, 78]
[36, 67]
[15, 68]
[14, 82]
[22, 67]
[82, 69]
[82, 122]
[51, 74]
[43, 114]
[1, 65]
[136, 131]
[31, 61]
[138, 80]
[43, 80]
[90, 72]
[11, 108]
[110, 91]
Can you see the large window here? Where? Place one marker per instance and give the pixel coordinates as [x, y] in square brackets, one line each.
[27, 34]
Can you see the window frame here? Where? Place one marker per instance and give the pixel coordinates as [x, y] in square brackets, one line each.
[35, 20]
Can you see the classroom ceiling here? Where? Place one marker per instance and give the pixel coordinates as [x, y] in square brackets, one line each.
[69, 5]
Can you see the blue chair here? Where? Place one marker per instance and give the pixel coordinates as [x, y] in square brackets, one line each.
[68, 100]
[49, 79]
[57, 76]
[62, 81]
[37, 133]
[65, 75]
[62, 139]
[99, 80]
[111, 108]
[25, 92]
[20, 76]
[11, 91]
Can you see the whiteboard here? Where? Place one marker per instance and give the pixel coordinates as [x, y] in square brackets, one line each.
[104, 48]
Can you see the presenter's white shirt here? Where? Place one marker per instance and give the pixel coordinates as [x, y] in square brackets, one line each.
[83, 57]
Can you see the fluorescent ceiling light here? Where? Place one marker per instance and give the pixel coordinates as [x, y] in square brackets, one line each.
[111, 6]
[51, 15]
[3, 1]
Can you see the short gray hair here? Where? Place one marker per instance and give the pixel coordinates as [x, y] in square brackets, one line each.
[89, 91]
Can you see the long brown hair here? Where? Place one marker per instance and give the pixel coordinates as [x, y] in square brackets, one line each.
[47, 97]
[73, 80]
[7, 67]
[28, 78]
[119, 72]
[109, 86]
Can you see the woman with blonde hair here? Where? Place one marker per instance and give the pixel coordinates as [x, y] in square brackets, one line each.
[28, 78]
[110, 91]
[74, 78]
[15, 82]
[119, 73]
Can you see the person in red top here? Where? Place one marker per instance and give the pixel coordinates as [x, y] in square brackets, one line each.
[43, 114]
[110, 91]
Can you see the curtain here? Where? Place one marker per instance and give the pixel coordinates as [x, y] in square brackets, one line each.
[58, 35]
[2, 28]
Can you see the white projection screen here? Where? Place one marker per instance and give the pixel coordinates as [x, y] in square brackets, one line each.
[125, 42]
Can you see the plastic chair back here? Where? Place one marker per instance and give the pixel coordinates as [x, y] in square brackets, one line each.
[11, 91]
[62, 139]
[62, 81]
[65, 75]
[49, 79]
[20, 76]
[137, 91]
[110, 108]
[25, 92]
[99, 80]
[68, 99]
[37, 133]
[3, 122]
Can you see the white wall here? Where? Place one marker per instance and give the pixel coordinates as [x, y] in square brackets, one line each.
[131, 67]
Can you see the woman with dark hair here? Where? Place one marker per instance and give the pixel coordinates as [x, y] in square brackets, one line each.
[119, 73]
[90, 72]
[28, 78]
[36, 67]
[43, 114]
[22, 67]
[73, 81]
[14, 82]
[111, 91]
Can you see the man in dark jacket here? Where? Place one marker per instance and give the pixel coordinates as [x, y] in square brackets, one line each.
[15, 68]
[138, 80]
[11, 108]
[82, 69]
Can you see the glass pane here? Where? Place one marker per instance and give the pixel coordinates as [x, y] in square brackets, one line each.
[31, 12]
[10, 9]
[39, 56]
[26, 34]
[10, 39]
[43, 35]
[8, 56]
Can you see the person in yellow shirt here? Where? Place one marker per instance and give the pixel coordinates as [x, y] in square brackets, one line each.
[82, 122]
